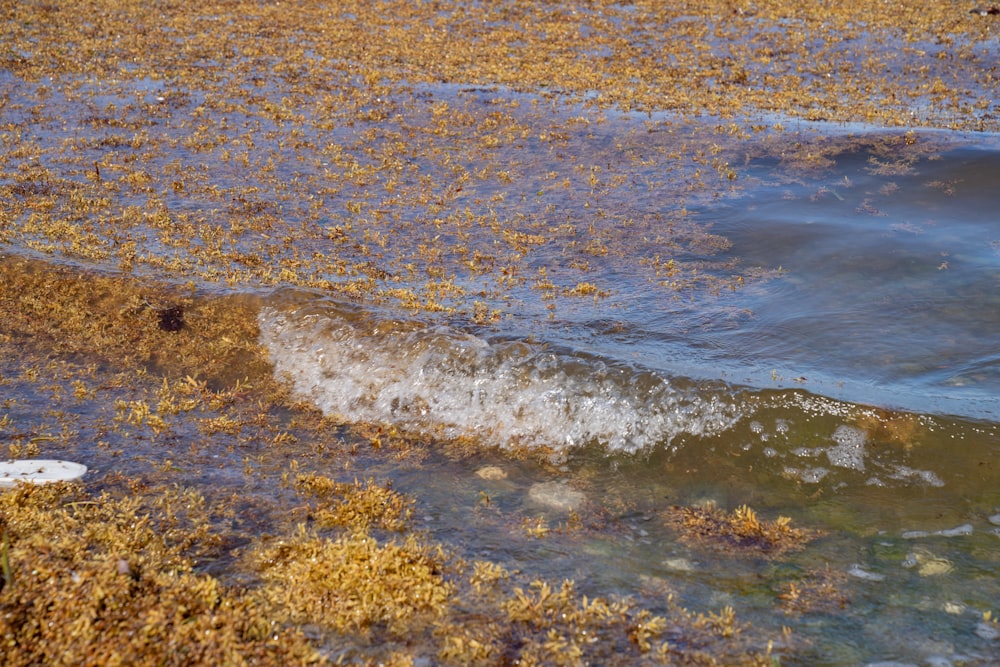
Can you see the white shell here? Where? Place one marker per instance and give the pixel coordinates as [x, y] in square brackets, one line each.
[39, 471]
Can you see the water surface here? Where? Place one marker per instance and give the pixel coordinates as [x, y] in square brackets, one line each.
[852, 385]
[671, 311]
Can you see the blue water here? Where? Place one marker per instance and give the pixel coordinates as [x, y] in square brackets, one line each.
[879, 288]
[889, 292]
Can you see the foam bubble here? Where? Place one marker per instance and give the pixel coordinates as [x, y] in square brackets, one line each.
[361, 366]
[850, 449]
[907, 473]
[807, 475]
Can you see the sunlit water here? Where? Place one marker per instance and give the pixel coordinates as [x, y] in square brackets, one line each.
[892, 284]
[872, 285]
[888, 297]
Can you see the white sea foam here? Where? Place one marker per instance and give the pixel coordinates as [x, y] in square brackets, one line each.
[364, 367]
[850, 449]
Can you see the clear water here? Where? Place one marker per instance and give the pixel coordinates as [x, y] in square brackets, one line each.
[851, 382]
[856, 390]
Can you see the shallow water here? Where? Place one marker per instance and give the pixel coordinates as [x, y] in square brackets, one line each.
[824, 347]
[855, 391]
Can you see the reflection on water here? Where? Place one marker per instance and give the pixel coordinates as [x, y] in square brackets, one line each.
[892, 280]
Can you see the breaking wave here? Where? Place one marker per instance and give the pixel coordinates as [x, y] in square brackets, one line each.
[360, 365]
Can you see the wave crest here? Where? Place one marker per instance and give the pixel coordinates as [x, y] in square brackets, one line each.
[362, 366]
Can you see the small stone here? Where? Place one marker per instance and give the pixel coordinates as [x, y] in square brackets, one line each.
[995, 519]
[914, 534]
[491, 473]
[958, 531]
[937, 661]
[927, 564]
[964, 529]
[934, 566]
[679, 564]
[860, 573]
[556, 495]
[985, 630]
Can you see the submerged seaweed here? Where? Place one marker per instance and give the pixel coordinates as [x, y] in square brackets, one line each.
[739, 532]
